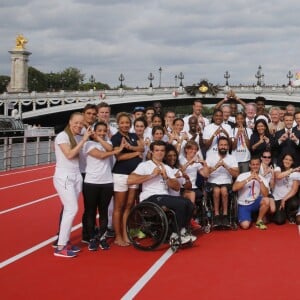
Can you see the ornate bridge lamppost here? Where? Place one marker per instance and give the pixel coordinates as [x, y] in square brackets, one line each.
[259, 75]
[289, 75]
[92, 80]
[121, 79]
[226, 76]
[50, 81]
[176, 77]
[34, 83]
[159, 70]
[180, 77]
[150, 78]
[63, 81]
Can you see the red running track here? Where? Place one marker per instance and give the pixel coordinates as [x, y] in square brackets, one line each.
[221, 265]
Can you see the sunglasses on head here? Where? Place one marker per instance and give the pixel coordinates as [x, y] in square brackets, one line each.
[139, 108]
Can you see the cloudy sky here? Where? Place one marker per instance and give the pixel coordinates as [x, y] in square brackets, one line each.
[202, 39]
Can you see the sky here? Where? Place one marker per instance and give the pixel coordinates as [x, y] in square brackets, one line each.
[201, 39]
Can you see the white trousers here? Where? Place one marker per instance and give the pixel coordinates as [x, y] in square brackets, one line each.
[68, 188]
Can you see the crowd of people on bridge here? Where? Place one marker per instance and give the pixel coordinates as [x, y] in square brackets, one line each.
[243, 148]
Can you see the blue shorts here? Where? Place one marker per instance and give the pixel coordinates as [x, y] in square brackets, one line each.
[245, 211]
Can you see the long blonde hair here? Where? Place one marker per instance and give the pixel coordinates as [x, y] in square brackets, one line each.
[68, 131]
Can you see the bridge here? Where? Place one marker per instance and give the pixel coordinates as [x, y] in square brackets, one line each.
[35, 105]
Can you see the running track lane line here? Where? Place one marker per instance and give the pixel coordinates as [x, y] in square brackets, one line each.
[32, 249]
[147, 276]
[26, 204]
[129, 295]
[25, 182]
[25, 171]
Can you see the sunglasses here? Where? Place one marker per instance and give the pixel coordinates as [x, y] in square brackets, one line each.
[139, 108]
[266, 156]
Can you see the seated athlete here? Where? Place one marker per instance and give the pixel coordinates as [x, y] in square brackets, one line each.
[156, 178]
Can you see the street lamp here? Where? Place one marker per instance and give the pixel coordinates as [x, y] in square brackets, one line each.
[150, 78]
[63, 81]
[121, 79]
[289, 76]
[259, 75]
[160, 70]
[50, 82]
[92, 81]
[176, 77]
[226, 76]
[34, 83]
[181, 77]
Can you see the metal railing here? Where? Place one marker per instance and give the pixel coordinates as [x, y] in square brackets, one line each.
[17, 152]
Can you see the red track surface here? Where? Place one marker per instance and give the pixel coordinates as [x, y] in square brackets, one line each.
[221, 265]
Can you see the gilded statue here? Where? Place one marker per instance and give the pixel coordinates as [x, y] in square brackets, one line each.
[20, 41]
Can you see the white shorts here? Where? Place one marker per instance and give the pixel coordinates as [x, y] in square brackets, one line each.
[120, 183]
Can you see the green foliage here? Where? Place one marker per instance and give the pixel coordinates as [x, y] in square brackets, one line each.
[70, 79]
[37, 80]
[4, 81]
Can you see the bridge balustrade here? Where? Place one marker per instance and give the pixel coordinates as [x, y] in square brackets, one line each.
[35, 104]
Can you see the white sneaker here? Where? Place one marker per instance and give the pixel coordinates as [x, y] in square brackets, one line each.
[174, 235]
[185, 239]
[191, 237]
[183, 231]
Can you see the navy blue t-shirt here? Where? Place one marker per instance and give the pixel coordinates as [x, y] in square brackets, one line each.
[128, 165]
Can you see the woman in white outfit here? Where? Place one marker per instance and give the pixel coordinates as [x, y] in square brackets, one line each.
[67, 179]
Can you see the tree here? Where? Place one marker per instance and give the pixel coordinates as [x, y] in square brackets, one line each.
[37, 81]
[4, 81]
[69, 79]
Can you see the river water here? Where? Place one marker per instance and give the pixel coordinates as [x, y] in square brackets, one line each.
[29, 153]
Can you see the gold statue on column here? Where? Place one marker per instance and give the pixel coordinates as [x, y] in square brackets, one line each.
[20, 42]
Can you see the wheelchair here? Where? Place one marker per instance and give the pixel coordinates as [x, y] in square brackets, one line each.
[205, 210]
[150, 225]
[202, 213]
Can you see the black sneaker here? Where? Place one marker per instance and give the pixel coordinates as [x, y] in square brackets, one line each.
[110, 233]
[103, 244]
[93, 245]
[217, 222]
[225, 221]
[292, 220]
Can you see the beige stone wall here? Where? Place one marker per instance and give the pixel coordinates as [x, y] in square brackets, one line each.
[19, 71]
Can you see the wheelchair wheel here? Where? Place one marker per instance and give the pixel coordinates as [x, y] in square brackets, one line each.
[147, 226]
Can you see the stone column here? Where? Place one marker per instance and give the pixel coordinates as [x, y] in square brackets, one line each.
[19, 71]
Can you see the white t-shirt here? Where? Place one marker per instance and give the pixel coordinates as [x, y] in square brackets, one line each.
[191, 170]
[63, 164]
[199, 153]
[98, 171]
[268, 176]
[221, 175]
[241, 153]
[186, 126]
[82, 156]
[283, 185]
[155, 185]
[181, 181]
[209, 130]
[250, 191]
